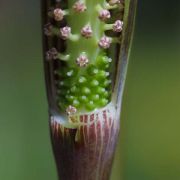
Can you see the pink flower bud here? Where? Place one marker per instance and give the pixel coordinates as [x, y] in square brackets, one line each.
[118, 26]
[86, 31]
[104, 15]
[105, 42]
[82, 60]
[58, 14]
[79, 6]
[65, 32]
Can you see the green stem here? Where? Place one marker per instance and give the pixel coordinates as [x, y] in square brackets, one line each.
[78, 20]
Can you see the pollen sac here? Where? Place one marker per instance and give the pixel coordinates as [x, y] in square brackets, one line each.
[48, 29]
[65, 32]
[82, 60]
[104, 15]
[52, 54]
[118, 26]
[113, 2]
[79, 6]
[86, 31]
[58, 14]
[105, 42]
[71, 110]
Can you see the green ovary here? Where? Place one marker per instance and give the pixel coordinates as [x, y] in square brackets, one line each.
[88, 89]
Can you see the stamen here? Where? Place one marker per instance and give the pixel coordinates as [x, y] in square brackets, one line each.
[52, 54]
[104, 14]
[82, 60]
[105, 42]
[118, 26]
[86, 31]
[48, 29]
[114, 2]
[63, 57]
[79, 6]
[110, 6]
[58, 14]
[65, 32]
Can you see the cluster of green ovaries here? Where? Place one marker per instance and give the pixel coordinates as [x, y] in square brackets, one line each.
[84, 81]
[86, 89]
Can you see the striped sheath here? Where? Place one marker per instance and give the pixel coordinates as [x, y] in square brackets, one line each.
[86, 152]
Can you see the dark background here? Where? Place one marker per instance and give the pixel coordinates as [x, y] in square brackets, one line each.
[149, 147]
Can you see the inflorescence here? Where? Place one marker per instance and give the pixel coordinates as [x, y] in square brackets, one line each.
[84, 80]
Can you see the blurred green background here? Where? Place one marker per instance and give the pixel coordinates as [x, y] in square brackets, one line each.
[149, 147]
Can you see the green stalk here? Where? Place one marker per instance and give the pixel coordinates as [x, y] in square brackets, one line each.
[78, 20]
